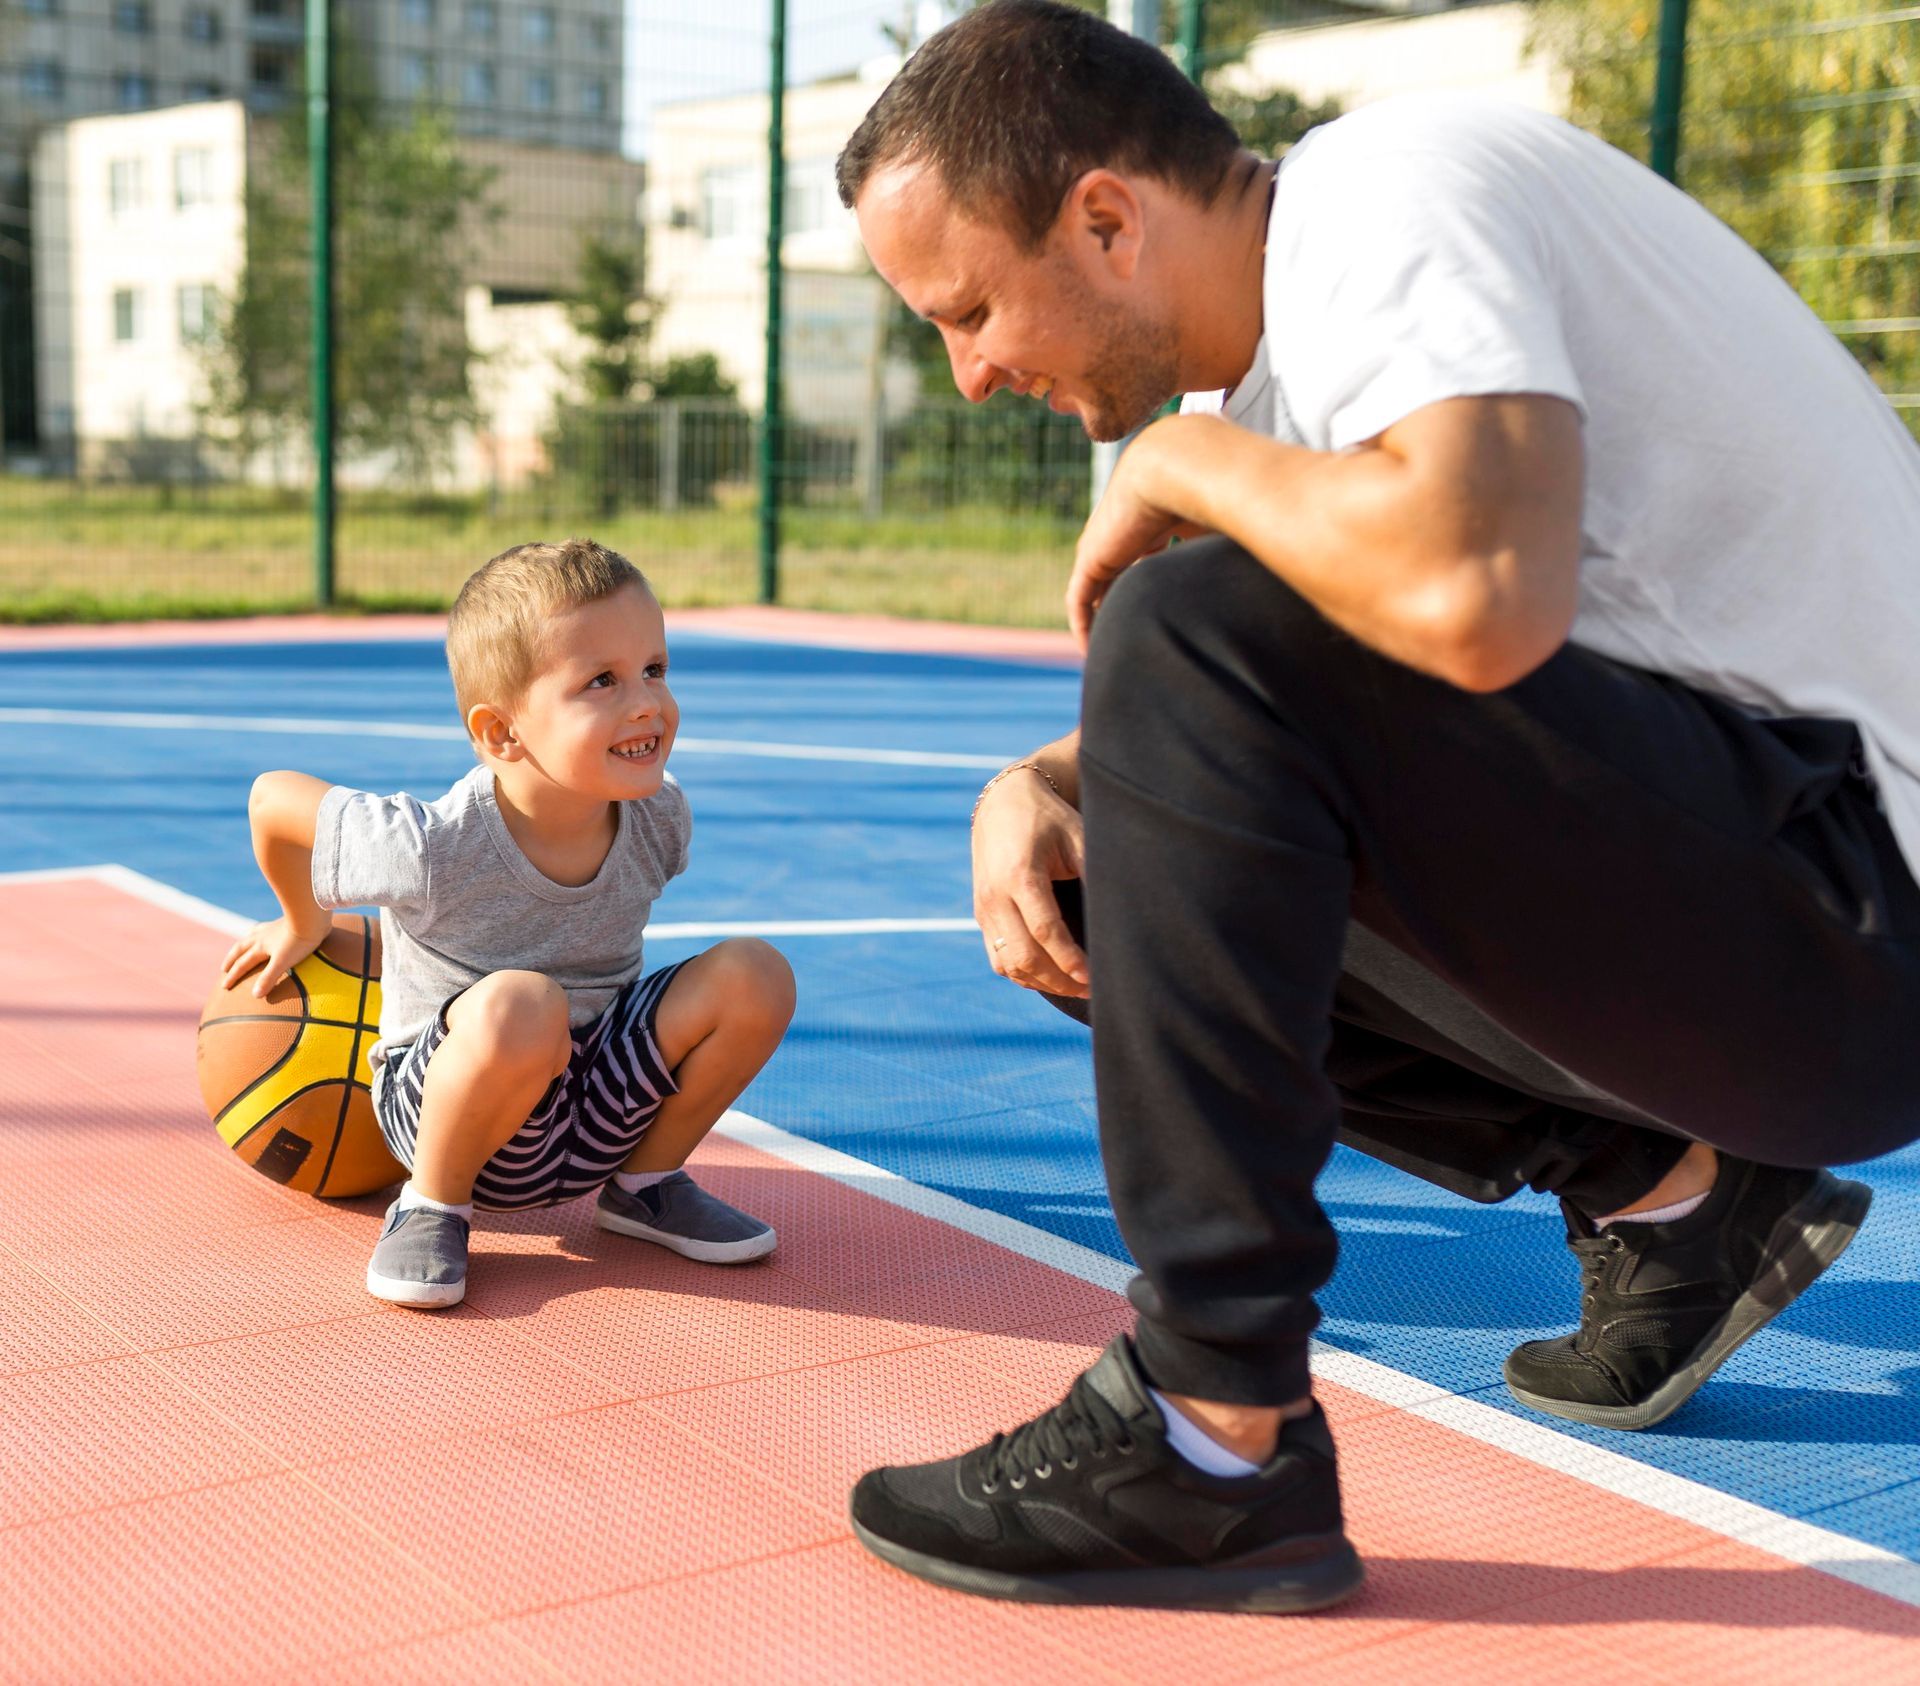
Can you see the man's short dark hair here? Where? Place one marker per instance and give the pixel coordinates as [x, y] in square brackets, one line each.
[1018, 99]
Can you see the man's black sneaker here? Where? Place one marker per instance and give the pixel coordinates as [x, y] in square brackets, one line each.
[1667, 1304]
[1088, 1504]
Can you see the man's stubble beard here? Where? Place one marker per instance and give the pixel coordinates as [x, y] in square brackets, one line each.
[1133, 372]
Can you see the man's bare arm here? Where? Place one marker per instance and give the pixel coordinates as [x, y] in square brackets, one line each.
[1451, 542]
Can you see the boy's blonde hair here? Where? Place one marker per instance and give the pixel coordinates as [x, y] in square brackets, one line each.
[494, 633]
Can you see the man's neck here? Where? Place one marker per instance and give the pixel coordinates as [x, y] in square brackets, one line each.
[1222, 313]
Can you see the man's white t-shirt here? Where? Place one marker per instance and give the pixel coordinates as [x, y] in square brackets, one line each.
[1752, 517]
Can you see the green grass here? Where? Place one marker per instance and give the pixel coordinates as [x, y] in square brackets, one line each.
[71, 552]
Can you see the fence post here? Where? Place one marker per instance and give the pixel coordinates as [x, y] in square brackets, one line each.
[670, 412]
[1663, 136]
[1193, 25]
[771, 443]
[320, 187]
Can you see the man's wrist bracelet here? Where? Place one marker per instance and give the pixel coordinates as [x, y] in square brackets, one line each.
[1028, 766]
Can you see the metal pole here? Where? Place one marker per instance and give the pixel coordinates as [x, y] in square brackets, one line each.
[320, 181]
[1663, 138]
[771, 442]
[1193, 27]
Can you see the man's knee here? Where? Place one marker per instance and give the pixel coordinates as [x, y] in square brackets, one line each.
[1206, 608]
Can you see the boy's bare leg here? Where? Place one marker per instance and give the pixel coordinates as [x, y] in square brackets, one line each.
[506, 1041]
[719, 1022]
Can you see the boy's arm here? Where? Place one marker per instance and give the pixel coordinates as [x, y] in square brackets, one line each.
[281, 811]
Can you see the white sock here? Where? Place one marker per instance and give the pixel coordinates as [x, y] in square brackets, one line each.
[632, 1182]
[411, 1197]
[1197, 1446]
[1657, 1214]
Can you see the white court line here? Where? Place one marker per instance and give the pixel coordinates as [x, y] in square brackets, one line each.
[300, 726]
[206, 913]
[1868, 1566]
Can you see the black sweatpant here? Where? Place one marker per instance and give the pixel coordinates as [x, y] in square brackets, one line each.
[1675, 921]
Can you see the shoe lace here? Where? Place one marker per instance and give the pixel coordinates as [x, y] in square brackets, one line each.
[1594, 1254]
[1081, 1425]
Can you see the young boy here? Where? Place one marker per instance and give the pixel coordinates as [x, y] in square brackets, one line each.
[524, 1058]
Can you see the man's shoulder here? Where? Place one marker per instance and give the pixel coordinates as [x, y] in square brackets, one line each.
[1427, 121]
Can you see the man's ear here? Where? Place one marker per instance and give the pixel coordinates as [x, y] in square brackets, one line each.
[1104, 208]
[492, 733]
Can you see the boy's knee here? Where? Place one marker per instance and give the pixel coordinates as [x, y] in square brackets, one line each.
[755, 977]
[517, 1017]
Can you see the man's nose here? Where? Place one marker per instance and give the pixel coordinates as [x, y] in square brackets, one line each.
[977, 379]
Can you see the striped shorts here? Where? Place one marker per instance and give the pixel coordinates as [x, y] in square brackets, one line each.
[584, 1126]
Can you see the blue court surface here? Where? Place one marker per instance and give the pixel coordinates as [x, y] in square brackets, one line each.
[832, 786]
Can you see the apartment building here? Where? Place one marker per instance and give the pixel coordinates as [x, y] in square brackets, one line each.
[141, 227]
[532, 72]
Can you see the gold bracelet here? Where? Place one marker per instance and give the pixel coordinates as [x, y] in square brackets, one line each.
[1030, 766]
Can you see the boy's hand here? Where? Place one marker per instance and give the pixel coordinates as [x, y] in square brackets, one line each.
[278, 946]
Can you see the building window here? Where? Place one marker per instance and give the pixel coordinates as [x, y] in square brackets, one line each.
[417, 14]
[40, 8]
[201, 89]
[202, 24]
[812, 197]
[271, 67]
[416, 75]
[600, 34]
[270, 8]
[192, 177]
[132, 17]
[134, 89]
[593, 97]
[480, 83]
[126, 315]
[126, 185]
[40, 79]
[730, 198]
[536, 26]
[195, 301]
[481, 18]
[539, 90]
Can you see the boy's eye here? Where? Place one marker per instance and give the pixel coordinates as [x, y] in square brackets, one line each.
[595, 680]
[656, 670]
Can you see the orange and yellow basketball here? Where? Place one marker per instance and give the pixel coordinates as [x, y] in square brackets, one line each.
[286, 1078]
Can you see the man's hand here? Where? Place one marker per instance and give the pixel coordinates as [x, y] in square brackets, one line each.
[1024, 838]
[277, 946]
[1127, 525]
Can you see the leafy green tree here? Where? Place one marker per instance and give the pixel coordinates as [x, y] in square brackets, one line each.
[616, 447]
[406, 206]
[696, 375]
[611, 312]
[1800, 130]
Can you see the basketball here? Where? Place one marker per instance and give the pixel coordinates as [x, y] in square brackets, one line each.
[286, 1078]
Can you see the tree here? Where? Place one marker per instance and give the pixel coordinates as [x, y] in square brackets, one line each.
[406, 204]
[1800, 131]
[611, 312]
[615, 447]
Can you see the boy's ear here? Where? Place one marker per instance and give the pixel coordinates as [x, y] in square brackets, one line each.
[492, 732]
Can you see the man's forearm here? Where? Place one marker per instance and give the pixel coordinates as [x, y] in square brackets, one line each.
[1447, 545]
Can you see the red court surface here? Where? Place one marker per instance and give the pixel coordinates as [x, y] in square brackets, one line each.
[223, 1461]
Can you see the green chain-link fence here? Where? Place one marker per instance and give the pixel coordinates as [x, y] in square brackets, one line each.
[550, 298]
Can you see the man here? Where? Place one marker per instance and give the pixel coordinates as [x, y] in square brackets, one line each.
[1520, 784]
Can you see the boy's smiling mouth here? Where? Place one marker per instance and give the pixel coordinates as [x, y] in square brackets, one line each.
[638, 749]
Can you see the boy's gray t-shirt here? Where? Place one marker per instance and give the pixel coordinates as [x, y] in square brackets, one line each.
[458, 899]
